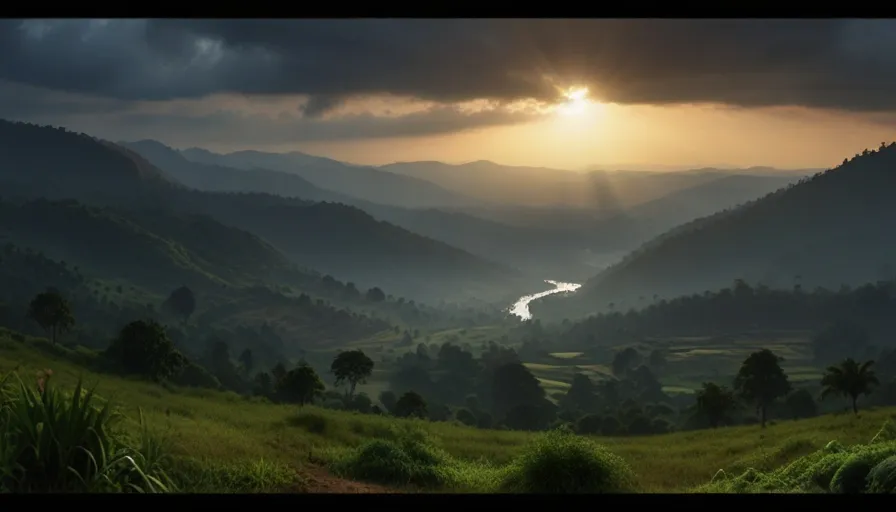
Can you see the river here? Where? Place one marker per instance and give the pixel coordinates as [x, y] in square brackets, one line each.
[521, 307]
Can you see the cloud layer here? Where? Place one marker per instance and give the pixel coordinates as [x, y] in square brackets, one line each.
[113, 65]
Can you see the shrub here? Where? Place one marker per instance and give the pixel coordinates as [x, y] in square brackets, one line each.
[882, 479]
[561, 462]
[51, 442]
[409, 459]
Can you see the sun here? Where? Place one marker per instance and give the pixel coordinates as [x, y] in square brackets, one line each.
[576, 101]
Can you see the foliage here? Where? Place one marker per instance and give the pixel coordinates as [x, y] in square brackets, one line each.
[351, 367]
[850, 380]
[835, 468]
[181, 302]
[715, 402]
[410, 405]
[143, 347]
[761, 380]
[52, 442]
[561, 462]
[300, 385]
[52, 312]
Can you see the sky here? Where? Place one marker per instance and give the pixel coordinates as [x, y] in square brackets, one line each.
[569, 94]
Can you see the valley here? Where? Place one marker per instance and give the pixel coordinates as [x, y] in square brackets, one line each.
[395, 256]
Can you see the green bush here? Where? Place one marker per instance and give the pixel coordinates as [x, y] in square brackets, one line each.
[882, 479]
[54, 442]
[835, 468]
[409, 459]
[562, 462]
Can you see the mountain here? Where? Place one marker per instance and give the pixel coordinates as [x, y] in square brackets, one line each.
[540, 251]
[335, 239]
[367, 183]
[606, 192]
[559, 243]
[157, 250]
[220, 178]
[834, 228]
[54, 162]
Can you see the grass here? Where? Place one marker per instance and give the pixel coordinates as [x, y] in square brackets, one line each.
[690, 361]
[224, 442]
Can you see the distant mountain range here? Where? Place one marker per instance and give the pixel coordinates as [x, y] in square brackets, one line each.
[545, 242]
[52, 163]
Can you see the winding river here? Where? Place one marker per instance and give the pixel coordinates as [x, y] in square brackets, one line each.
[521, 307]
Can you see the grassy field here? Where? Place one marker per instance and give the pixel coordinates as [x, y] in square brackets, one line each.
[226, 442]
[690, 361]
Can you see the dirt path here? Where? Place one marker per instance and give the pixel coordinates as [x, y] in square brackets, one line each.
[319, 480]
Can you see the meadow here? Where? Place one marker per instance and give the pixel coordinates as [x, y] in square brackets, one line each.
[221, 441]
[690, 361]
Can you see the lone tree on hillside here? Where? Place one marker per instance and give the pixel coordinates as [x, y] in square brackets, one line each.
[52, 312]
[761, 381]
[850, 380]
[181, 302]
[300, 385]
[410, 405]
[352, 367]
[143, 347]
[715, 402]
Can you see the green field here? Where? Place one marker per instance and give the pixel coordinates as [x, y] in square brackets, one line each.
[690, 361]
[223, 441]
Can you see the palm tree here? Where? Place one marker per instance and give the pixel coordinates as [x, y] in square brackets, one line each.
[850, 380]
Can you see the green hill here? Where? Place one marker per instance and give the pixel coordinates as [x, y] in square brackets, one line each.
[331, 238]
[220, 442]
[831, 229]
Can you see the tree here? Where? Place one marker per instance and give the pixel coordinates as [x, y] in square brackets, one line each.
[52, 312]
[300, 385]
[410, 405]
[514, 385]
[761, 381]
[246, 360]
[850, 380]
[375, 295]
[801, 404]
[181, 302]
[143, 347]
[715, 403]
[352, 367]
[625, 359]
[388, 399]
[580, 394]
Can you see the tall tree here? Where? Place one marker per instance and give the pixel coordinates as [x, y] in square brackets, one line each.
[850, 380]
[300, 385]
[181, 302]
[52, 312]
[143, 347]
[351, 367]
[761, 381]
[410, 405]
[715, 402]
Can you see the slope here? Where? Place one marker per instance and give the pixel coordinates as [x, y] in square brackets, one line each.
[366, 183]
[331, 238]
[227, 445]
[54, 162]
[834, 228]
[220, 178]
[542, 252]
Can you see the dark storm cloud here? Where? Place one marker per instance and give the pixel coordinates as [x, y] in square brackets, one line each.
[113, 119]
[844, 64]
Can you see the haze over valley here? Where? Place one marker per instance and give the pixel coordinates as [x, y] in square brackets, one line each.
[372, 255]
